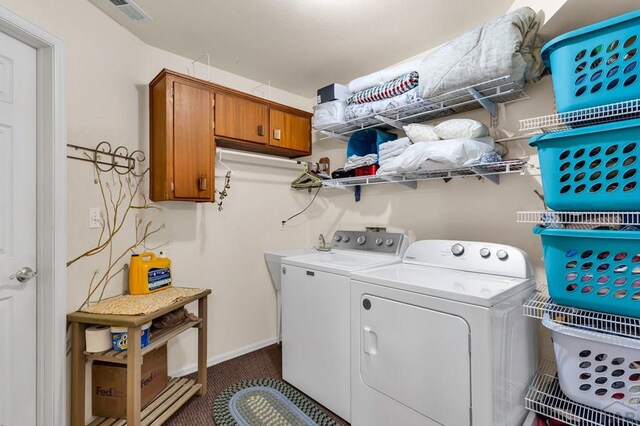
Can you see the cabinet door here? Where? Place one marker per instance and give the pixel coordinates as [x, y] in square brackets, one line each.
[290, 131]
[193, 144]
[241, 119]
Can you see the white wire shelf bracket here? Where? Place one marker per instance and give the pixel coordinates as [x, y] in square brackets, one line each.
[540, 304]
[578, 218]
[545, 397]
[489, 171]
[583, 117]
[485, 95]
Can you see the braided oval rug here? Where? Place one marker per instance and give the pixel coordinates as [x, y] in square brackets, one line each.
[266, 402]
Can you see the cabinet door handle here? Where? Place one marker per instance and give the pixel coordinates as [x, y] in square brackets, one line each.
[202, 183]
[261, 130]
[276, 134]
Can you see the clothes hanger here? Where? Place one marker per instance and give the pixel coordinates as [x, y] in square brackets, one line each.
[308, 178]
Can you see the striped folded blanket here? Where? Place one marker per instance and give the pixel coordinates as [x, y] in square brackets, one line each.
[387, 90]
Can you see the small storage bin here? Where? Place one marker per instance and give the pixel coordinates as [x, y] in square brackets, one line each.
[591, 168]
[597, 369]
[367, 170]
[597, 64]
[595, 270]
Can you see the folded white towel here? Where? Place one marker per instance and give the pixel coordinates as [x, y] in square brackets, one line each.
[358, 161]
[403, 142]
[393, 152]
[384, 161]
[329, 113]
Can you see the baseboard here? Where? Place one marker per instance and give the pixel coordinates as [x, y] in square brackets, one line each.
[225, 357]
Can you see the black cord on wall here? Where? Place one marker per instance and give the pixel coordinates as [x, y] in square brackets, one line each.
[305, 209]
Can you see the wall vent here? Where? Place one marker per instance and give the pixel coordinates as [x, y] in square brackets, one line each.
[132, 10]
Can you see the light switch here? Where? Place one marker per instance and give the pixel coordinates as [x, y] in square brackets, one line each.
[94, 218]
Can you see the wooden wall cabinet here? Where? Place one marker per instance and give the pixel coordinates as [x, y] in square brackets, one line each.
[182, 147]
[189, 117]
[289, 131]
[241, 119]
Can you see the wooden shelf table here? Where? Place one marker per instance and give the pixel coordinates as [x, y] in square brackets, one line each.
[178, 390]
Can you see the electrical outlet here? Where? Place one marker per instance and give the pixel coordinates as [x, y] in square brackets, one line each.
[94, 218]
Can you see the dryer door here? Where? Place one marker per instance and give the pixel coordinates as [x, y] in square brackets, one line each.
[418, 357]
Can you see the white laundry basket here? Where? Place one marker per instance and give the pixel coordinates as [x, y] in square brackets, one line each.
[598, 369]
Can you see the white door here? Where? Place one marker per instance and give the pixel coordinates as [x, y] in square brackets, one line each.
[418, 357]
[17, 232]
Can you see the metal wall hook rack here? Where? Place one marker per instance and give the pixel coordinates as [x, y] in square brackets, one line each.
[107, 159]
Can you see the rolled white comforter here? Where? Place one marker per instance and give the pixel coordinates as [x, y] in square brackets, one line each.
[504, 46]
[438, 155]
[383, 76]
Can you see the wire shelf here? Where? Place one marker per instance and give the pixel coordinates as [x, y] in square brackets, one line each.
[500, 90]
[546, 398]
[579, 219]
[540, 304]
[583, 117]
[484, 170]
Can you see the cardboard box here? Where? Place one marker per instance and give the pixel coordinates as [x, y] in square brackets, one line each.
[109, 384]
[333, 92]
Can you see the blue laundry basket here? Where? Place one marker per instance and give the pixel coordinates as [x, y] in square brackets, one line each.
[597, 64]
[591, 168]
[595, 270]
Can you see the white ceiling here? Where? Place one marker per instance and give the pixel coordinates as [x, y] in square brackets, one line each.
[301, 45]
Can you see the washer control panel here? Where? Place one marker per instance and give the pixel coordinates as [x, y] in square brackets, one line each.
[471, 256]
[379, 242]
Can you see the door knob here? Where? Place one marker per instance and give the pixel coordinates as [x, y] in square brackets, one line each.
[24, 274]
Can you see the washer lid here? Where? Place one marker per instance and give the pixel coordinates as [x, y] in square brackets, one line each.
[468, 287]
[339, 262]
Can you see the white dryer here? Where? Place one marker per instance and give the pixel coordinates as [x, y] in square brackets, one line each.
[440, 338]
[316, 313]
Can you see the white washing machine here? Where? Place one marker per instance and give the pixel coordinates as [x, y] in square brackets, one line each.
[440, 338]
[316, 313]
[274, 264]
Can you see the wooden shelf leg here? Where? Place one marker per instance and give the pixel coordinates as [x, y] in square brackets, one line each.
[202, 346]
[78, 369]
[134, 366]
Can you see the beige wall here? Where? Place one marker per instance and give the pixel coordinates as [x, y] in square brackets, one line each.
[108, 73]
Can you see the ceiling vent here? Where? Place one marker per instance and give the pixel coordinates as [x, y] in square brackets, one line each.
[132, 10]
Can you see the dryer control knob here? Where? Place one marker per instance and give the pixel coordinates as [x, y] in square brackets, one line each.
[346, 239]
[338, 238]
[457, 249]
[378, 241]
[361, 240]
[485, 252]
[389, 242]
[502, 255]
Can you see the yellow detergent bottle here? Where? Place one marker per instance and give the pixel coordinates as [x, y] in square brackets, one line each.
[148, 273]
